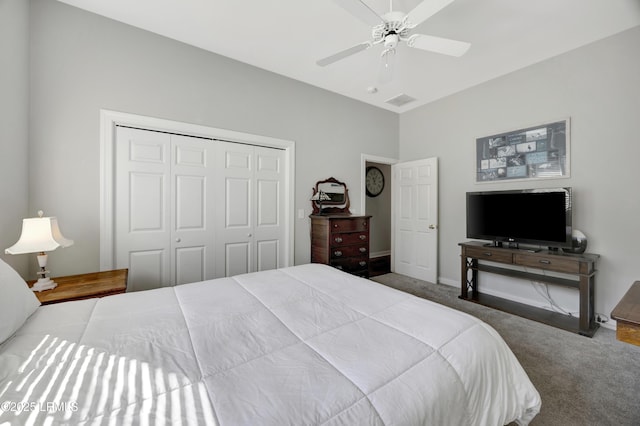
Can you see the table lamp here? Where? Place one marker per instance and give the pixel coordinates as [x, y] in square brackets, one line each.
[39, 235]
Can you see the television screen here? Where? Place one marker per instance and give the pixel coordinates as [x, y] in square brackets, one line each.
[529, 216]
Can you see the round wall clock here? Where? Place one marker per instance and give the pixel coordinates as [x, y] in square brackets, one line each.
[374, 181]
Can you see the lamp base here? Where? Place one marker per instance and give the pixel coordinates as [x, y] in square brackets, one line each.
[44, 284]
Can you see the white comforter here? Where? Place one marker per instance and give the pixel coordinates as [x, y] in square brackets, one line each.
[297, 346]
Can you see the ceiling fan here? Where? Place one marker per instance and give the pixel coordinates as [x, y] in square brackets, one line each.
[395, 27]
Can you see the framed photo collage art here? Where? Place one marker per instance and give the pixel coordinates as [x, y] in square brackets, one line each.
[537, 152]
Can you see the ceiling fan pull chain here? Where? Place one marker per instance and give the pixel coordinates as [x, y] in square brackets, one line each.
[385, 56]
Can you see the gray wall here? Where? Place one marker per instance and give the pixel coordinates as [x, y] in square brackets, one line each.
[598, 86]
[82, 62]
[14, 126]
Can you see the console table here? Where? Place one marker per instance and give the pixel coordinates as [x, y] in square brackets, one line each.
[580, 268]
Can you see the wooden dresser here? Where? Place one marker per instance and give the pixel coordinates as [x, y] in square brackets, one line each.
[341, 241]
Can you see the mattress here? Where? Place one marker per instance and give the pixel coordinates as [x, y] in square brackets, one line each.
[296, 346]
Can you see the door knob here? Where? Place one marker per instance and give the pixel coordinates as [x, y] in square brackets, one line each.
[432, 227]
[249, 235]
[178, 240]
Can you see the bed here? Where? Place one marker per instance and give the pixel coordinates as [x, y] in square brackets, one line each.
[303, 345]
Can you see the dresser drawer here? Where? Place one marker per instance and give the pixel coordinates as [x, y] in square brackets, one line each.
[345, 239]
[349, 251]
[349, 225]
[351, 265]
[489, 253]
[552, 263]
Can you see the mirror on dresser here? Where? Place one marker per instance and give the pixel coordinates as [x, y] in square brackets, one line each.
[330, 196]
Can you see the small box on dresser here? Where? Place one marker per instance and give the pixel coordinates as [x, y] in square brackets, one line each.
[341, 241]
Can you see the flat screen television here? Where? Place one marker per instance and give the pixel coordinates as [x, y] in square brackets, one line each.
[540, 217]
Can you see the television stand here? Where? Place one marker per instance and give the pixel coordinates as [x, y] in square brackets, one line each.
[513, 246]
[580, 266]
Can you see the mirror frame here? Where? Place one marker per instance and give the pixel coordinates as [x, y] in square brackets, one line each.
[331, 207]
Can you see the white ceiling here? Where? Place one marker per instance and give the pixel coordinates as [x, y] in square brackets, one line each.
[287, 37]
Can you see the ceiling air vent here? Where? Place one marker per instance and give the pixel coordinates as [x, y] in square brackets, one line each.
[400, 100]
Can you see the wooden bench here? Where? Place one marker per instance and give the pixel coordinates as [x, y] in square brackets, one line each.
[627, 315]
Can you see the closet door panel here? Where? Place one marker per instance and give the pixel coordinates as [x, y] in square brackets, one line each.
[268, 254]
[147, 268]
[235, 212]
[269, 229]
[237, 196]
[237, 258]
[142, 210]
[190, 264]
[193, 218]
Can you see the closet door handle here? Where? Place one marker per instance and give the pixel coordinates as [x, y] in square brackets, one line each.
[178, 240]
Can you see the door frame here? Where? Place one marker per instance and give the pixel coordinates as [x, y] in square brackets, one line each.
[368, 158]
[108, 122]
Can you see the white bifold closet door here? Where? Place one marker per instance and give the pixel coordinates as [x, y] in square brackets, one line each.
[249, 184]
[190, 209]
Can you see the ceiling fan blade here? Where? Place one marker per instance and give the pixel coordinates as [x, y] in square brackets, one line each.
[343, 54]
[438, 44]
[361, 11]
[426, 10]
[387, 66]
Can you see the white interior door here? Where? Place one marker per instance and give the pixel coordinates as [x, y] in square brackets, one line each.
[415, 219]
[164, 221]
[142, 207]
[250, 231]
[269, 229]
[193, 215]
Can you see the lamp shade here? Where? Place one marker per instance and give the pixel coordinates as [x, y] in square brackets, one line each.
[39, 234]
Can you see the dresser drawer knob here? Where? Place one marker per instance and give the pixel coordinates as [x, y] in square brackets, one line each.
[545, 261]
[362, 263]
[363, 237]
[337, 253]
[335, 225]
[486, 253]
[338, 239]
[363, 249]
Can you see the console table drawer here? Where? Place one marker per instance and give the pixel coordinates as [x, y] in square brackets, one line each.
[488, 253]
[570, 266]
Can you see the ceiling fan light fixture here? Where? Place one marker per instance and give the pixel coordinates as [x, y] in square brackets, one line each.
[395, 27]
[391, 41]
